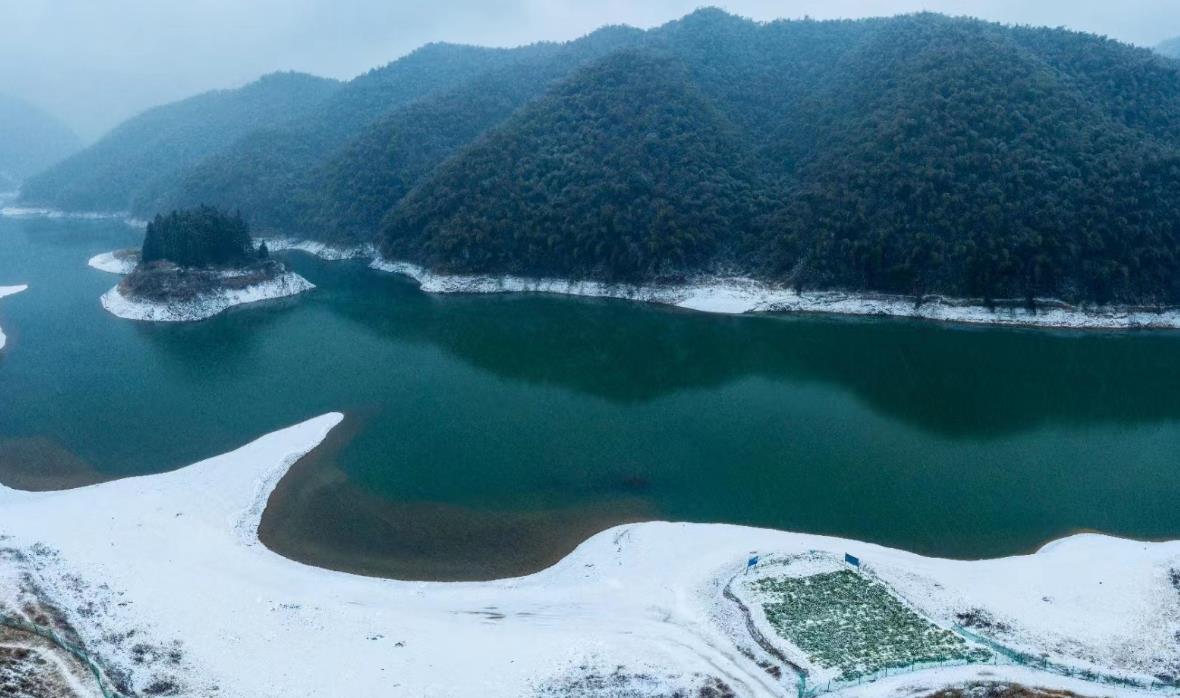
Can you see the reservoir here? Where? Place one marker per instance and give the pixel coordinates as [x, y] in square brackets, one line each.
[488, 435]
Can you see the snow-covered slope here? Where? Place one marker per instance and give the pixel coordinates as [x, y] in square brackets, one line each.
[165, 579]
[8, 291]
[282, 286]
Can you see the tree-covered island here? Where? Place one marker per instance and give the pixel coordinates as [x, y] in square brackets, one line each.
[198, 252]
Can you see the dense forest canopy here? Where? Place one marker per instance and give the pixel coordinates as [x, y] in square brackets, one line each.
[199, 237]
[30, 141]
[915, 154]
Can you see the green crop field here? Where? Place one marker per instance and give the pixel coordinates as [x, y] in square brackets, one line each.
[847, 622]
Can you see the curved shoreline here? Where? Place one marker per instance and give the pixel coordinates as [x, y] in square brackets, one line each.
[9, 291]
[175, 560]
[283, 286]
[736, 296]
[57, 214]
[112, 263]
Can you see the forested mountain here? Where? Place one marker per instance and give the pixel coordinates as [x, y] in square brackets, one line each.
[269, 170]
[1170, 48]
[915, 154]
[624, 171]
[30, 141]
[142, 155]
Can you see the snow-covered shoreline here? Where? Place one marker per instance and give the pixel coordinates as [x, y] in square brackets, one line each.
[741, 295]
[56, 214]
[323, 250]
[120, 262]
[36, 212]
[8, 291]
[164, 578]
[206, 306]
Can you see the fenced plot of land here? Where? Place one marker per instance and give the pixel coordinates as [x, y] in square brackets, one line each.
[849, 623]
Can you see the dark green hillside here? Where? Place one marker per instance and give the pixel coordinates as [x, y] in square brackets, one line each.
[969, 159]
[142, 153]
[30, 141]
[357, 187]
[918, 154]
[268, 173]
[624, 172]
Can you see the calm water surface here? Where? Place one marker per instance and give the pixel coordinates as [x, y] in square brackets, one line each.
[487, 435]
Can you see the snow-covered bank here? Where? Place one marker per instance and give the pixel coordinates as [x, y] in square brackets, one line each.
[207, 305]
[33, 212]
[165, 579]
[325, 251]
[120, 262]
[8, 291]
[741, 295]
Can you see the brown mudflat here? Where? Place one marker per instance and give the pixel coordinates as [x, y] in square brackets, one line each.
[316, 516]
[39, 464]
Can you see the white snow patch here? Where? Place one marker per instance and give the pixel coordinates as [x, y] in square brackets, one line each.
[122, 262]
[282, 286]
[8, 291]
[174, 558]
[54, 214]
[326, 251]
[33, 212]
[738, 295]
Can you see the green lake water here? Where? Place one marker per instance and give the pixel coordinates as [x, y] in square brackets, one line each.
[487, 435]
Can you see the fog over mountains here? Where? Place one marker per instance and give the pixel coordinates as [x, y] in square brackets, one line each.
[95, 65]
[30, 141]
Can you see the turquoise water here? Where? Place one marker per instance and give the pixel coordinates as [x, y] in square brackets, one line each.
[496, 423]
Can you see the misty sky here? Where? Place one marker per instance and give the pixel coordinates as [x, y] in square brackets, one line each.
[95, 62]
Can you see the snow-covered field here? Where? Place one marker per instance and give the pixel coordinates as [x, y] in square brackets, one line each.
[282, 286]
[8, 291]
[164, 578]
[741, 295]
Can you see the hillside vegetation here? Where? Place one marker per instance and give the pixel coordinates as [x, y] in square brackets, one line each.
[916, 154]
[30, 141]
[142, 156]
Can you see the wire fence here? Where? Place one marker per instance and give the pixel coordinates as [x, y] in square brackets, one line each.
[53, 636]
[1001, 655]
[1043, 663]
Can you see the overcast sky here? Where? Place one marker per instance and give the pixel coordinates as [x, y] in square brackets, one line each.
[95, 62]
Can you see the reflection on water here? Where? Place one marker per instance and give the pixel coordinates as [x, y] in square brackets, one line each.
[497, 431]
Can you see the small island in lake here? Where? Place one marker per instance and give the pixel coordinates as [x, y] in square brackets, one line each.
[194, 264]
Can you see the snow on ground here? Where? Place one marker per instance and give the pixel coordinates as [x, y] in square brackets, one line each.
[742, 295]
[8, 291]
[29, 212]
[322, 250]
[164, 578]
[121, 262]
[282, 286]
